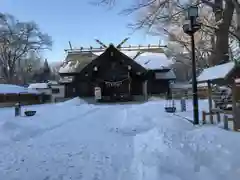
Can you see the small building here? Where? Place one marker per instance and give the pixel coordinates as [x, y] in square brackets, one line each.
[11, 94]
[43, 88]
[57, 92]
[69, 88]
[52, 91]
[226, 74]
[119, 75]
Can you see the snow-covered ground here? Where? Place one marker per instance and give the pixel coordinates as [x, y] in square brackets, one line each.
[75, 140]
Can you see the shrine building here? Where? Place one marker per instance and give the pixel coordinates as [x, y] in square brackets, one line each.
[114, 74]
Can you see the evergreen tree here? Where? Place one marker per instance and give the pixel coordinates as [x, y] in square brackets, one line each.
[46, 68]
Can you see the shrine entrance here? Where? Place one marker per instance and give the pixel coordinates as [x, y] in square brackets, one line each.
[112, 76]
[116, 90]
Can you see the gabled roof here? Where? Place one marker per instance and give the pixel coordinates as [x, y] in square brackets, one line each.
[76, 61]
[119, 56]
[153, 61]
[169, 75]
[148, 60]
[217, 73]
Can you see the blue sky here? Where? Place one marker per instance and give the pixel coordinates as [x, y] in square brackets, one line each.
[77, 21]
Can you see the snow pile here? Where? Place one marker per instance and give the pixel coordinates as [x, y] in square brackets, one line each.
[124, 142]
[168, 152]
[75, 101]
[14, 89]
[220, 144]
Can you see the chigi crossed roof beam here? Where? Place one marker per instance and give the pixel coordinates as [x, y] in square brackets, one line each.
[143, 48]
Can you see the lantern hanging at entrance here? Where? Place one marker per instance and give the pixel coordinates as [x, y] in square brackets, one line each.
[95, 68]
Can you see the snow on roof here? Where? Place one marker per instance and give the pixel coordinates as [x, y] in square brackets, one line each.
[216, 72]
[130, 54]
[38, 86]
[148, 60]
[53, 82]
[14, 89]
[98, 53]
[75, 62]
[153, 61]
[202, 85]
[66, 79]
[69, 67]
[187, 85]
[237, 80]
[165, 75]
[180, 85]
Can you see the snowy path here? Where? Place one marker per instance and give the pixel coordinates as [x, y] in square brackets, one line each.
[115, 142]
[84, 148]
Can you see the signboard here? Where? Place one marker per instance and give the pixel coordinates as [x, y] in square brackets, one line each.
[98, 93]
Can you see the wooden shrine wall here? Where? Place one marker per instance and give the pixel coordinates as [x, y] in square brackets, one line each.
[158, 86]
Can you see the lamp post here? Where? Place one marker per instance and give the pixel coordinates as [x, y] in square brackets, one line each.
[190, 28]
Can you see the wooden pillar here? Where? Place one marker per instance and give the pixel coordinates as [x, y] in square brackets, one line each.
[225, 122]
[236, 124]
[218, 117]
[204, 117]
[129, 87]
[210, 100]
[145, 89]
[129, 83]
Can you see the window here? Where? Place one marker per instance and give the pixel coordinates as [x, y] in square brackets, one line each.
[55, 91]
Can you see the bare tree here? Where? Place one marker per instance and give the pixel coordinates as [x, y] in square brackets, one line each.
[223, 18]
[29, 65]
[17, 39]
[55, 66]
[216, 28]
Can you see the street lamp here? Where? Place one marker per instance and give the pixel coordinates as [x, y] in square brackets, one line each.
[190, 28]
